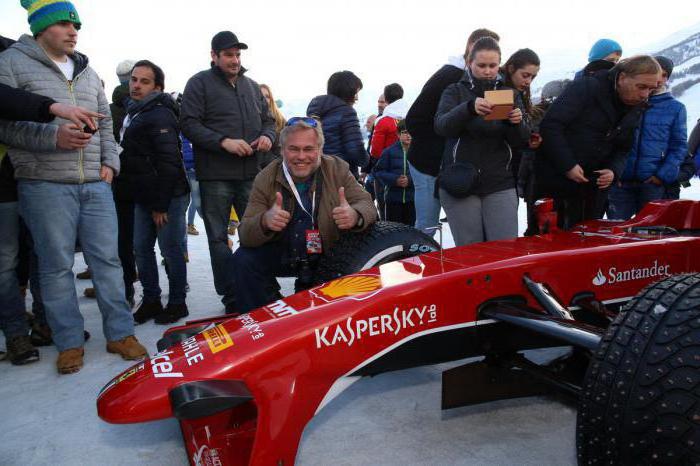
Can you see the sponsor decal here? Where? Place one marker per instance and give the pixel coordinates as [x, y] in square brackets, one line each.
[366, 285]
[122, 378]
[252, 325]
[217, 338]
[615, 275]
[162, 367]
[206, 456]
[281, 309]
[191, 349]
[353, 330]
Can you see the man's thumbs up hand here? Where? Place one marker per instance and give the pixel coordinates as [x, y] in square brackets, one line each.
[344, 215]
[276, 218]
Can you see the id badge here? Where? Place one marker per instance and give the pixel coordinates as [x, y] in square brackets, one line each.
[313, 242]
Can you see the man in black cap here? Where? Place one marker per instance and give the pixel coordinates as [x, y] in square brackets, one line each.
[226, 118]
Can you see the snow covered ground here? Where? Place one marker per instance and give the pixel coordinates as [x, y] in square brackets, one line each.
[390, 419]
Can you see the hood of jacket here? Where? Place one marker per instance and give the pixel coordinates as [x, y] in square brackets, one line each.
[323, 104]
[396, 110]
[152, 100]
[457, 61]
[478, 86]
[30, 47]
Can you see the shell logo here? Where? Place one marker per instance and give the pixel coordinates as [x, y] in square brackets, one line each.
[349, 287]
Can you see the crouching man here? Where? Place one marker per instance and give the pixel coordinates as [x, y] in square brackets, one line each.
[298, 207]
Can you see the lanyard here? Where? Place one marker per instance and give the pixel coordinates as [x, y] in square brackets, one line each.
[293, 187]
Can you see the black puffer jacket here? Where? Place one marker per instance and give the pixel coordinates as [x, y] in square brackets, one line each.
[486, 144]
[587, 125]
[427, 147]
[152, 161]
[341, 130]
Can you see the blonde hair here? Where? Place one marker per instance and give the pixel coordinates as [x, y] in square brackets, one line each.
[274, 110]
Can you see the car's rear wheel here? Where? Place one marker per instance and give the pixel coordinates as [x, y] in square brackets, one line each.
[640, 402]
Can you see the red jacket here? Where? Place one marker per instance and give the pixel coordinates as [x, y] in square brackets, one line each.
[384, 136]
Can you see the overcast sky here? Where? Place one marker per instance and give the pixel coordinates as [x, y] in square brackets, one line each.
[296, 45]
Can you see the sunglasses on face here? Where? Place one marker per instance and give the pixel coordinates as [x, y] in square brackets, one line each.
[308, 120]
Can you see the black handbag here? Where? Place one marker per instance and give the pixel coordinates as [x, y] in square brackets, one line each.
[459, 178]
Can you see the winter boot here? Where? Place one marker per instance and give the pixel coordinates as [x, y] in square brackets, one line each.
[172, 313]
[90, 292]
[84, 275]
[70, 360]
[147, 310]
[40, 335]
[128, 348]
[20, 351]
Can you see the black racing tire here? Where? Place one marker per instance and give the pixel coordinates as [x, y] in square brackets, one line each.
[381, 243]
[640, 402]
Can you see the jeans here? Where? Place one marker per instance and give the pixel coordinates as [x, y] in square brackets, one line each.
[169, 238]
[217, 199]
[254, 269]
[195, 201]
[13, 321]
[627, 198]
[29, 271]
[57, 215]
[427, 205]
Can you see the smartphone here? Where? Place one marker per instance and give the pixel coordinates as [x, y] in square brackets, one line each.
[87, 129]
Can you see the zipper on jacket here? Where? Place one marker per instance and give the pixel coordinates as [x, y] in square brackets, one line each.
[81, 156]
[635, 173]
[404, 174]
[510, 156]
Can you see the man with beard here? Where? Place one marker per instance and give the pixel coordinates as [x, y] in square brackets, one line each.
[226, 117]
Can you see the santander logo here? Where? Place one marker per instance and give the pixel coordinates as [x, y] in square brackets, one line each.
[615, 275]
[599, 279]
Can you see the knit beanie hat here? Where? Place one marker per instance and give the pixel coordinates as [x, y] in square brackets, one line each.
[666, 64]
[45, 13]
[124, 70]
[603, 48]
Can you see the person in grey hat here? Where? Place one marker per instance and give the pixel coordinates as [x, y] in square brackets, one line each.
[226, 117]
[659, 150]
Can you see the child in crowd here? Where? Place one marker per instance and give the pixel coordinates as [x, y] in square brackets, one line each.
[392, 170]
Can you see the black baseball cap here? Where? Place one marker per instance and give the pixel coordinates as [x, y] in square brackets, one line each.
[226, 40]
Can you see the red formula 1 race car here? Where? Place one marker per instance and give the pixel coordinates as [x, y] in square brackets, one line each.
[621, 294]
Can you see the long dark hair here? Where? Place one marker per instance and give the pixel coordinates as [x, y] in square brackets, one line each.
[518, 60]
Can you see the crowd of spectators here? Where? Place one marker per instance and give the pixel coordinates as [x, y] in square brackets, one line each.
[137, 171]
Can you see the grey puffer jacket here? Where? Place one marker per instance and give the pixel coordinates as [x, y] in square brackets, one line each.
[25, 65]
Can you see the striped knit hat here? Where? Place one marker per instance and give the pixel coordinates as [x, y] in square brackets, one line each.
[44, 13]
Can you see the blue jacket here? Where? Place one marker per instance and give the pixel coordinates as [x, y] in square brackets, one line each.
[660, 142]
[341, 130]
[389, 167]
[187, 152]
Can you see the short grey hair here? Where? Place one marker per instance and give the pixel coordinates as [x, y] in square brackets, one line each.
[300, 125]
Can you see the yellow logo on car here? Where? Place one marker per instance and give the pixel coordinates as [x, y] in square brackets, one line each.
[218, 339]
[350, 286]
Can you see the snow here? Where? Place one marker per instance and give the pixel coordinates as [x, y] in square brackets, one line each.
[390, 419]
[668, 41]
[691, 100]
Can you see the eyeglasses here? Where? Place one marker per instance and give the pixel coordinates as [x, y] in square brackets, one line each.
[308, 120]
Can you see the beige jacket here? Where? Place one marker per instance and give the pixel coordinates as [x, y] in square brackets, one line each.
[271, 180]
